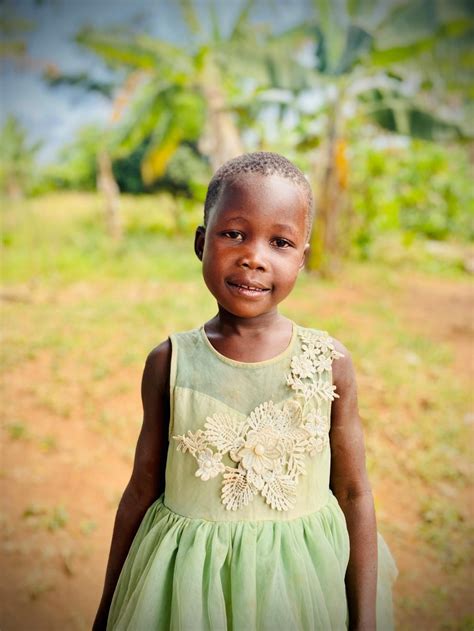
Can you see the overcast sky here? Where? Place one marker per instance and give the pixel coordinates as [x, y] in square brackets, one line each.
[53, 114]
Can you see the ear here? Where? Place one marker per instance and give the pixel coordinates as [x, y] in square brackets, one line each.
[305, 256]
[199, 239]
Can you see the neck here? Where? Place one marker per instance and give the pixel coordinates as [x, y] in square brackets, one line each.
[228, 323]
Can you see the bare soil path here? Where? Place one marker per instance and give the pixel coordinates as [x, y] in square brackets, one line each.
[68, 444]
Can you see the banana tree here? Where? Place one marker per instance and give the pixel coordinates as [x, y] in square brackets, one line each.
[171, 94]
[185, 91]
[379, 63]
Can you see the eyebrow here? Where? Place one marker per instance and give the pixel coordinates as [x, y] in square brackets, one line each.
[237, 218]
[276, 226]
[284, 227]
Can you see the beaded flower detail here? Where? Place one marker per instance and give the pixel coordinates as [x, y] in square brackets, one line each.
[270, 446]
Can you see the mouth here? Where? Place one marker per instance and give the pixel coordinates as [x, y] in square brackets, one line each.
[247, 289]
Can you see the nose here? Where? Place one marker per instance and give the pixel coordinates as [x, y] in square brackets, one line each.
[253, 257]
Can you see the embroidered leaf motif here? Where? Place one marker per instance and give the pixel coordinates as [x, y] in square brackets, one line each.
[322, 363]
[296, 463]
[295, 438]
[265, 415]
[255, 479]
[279, 492]
[292, 415]
[236, 489]
[325, 391]
[224, 432]
[191, 442]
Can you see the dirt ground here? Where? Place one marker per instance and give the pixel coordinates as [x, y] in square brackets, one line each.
[61, 482]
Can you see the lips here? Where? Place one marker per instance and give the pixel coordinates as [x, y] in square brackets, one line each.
[247, 287]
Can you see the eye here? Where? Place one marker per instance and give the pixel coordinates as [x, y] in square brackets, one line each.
[232, 234]
[281, 243]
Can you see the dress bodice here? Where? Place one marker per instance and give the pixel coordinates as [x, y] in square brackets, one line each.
[249, 441]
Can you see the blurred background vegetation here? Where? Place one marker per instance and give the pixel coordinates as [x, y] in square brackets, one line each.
[373, 101]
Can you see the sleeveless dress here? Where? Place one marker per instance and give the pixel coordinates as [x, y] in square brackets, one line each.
[247, 535]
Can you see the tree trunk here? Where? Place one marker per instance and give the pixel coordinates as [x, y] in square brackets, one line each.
[108, 186]
[332, 204]
[14, 189]
[221, 139]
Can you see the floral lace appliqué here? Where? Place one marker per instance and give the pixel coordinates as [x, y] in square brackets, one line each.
[270, 446]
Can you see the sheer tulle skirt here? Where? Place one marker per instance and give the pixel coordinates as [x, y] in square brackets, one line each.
[193, 575]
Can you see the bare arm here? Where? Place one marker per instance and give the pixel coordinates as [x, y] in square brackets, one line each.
[148, 476]
[350, 484]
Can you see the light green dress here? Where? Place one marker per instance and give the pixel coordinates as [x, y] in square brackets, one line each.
[248, 535]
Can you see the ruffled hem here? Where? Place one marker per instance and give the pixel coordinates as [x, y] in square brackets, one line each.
[185, 574]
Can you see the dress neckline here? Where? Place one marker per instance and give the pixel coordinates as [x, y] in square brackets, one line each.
[265, 362]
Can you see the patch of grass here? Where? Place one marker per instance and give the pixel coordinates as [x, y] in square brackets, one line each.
[34, 510]
[37, 585]
[57, 519]
[444, 528]
[52, 519]
[17, 430]
[87, 527]
[48, 443]
[44, 242]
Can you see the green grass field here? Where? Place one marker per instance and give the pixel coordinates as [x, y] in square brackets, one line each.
[80, 315]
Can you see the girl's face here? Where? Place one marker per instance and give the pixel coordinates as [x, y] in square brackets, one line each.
[254, 244]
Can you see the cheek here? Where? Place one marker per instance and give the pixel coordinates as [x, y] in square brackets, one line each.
[212, 268]
[289, 267]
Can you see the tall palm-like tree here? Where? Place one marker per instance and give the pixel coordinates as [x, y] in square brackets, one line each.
[170, 94]
[183, 92]
[380, 62]
[188, 92]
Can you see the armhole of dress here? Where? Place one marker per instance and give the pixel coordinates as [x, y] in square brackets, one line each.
[173, 370]
[331, 403]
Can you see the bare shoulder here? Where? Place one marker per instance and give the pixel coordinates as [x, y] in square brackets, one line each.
[159, 358]
[343, 372]
[157, 366]
[344, 408]
[344, 364]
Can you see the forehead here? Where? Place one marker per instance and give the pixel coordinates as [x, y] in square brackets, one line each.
[262, 197]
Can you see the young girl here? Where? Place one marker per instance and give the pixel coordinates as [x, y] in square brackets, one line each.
[249, 507]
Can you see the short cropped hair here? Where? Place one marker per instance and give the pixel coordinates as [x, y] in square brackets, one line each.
[260, 163]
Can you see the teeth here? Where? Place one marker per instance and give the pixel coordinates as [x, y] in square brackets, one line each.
[251, 288]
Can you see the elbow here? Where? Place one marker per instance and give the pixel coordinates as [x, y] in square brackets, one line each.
[354, 493]
[138, 497]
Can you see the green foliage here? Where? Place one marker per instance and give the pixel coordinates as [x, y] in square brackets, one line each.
[127, 170]
[17, 430]
[17, 165]
[423, 189]
[179, 94]
[187, 174]
[41, 240]
[76, 166]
